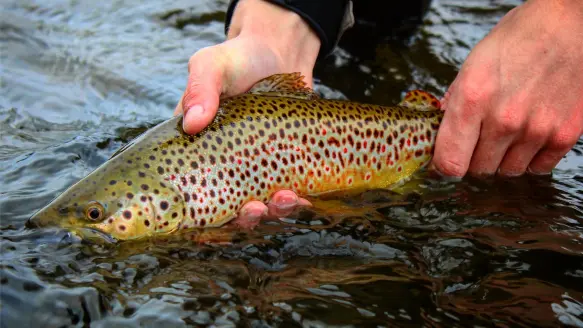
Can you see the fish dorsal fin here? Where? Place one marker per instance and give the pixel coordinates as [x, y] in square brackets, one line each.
[420, 100]
[284, 85]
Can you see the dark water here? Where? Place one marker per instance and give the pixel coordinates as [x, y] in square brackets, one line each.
[81, 78]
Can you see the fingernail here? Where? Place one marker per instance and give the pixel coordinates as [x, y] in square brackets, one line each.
[437, 173]
[193, 112]
[530, 171]
[253, 213]
[509, 174]
[287, 202]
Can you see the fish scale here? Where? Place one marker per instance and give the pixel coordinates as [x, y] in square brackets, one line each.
[277, 136]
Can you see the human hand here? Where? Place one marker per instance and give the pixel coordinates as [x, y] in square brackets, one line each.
[263, 40]
[517, 102]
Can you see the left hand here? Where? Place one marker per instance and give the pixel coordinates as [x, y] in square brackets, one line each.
[517, 102]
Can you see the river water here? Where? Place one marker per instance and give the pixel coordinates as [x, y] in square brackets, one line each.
[80, 78]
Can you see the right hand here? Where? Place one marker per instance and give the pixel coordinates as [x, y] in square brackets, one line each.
[264, 39]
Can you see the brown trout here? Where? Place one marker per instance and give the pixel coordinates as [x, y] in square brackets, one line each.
[279, 135]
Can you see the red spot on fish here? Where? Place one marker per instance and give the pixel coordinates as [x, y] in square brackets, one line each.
[172, 177]
[323, 132]
[345, 150]
[239, 161]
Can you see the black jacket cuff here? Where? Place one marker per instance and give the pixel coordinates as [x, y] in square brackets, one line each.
[328, 18]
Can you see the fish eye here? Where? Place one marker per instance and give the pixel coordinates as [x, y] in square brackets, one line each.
[94, 211]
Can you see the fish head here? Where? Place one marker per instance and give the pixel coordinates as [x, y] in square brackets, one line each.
[135, 206]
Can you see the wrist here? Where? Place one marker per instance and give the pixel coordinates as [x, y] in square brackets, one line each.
[287, 34]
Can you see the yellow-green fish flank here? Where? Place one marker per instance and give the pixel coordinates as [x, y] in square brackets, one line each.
[279, 135]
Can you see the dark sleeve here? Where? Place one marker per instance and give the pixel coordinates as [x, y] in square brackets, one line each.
[328, 18]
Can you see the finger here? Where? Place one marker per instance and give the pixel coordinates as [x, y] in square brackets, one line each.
[521, 152]
[550, 155]
[489, 152]
[251, 214]
[517, 158]
[545, 161]
[457, 135]
[284, 203]
[200, 101]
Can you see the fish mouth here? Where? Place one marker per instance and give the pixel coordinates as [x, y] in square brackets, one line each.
[85, 234]
[93, 236]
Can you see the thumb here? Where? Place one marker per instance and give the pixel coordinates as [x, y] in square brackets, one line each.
[200, 101]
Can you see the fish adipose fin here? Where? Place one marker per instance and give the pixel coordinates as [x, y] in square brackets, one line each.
[284, 85]
[420, 100]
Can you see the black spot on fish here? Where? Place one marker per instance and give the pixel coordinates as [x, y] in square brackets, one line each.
[112, 182]
[164, 205]
[127, 214]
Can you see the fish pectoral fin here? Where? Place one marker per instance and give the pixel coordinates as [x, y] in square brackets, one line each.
[284, 85]
[420, 100]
